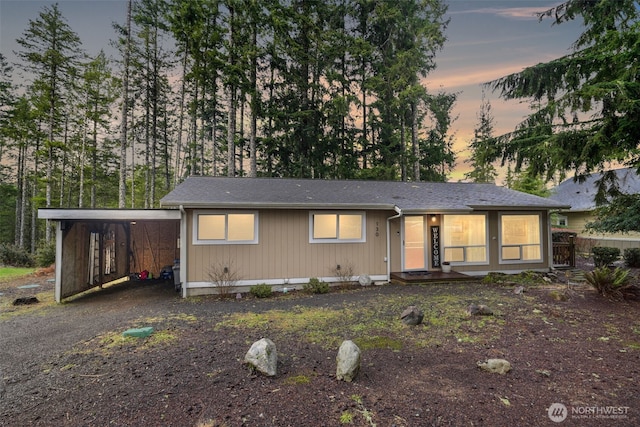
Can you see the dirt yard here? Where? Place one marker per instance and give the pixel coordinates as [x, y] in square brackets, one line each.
[68, 364]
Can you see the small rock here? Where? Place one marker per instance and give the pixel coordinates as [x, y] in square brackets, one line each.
[499, 366]
[263, 357]
[543, 372]
[25, 301]
[412, 316]
[348, 361]
[479, 310]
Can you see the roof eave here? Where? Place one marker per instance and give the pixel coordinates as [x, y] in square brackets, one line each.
[108, 214]
[436, 211]
[518, 207]
[295, 206]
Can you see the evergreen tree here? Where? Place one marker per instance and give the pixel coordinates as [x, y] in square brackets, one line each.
[482, 147]
[406, 35]
[125, 45]
[437, 155]
[50, 51]
[6, 103]
[586, 105]
[153, 65]
[527, 182]
[99, 92]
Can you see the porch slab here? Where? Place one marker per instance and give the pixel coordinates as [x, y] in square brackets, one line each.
[431, 277]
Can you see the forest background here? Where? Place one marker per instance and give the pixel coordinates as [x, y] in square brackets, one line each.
[238, 88]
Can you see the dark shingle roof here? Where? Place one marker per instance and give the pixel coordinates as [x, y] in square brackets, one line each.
[580, 195]
[200, 191]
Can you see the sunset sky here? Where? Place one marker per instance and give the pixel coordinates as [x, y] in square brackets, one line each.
[485, 40]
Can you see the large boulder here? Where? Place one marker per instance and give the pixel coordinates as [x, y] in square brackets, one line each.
[348, 361]
[412, 316]
[263, 357]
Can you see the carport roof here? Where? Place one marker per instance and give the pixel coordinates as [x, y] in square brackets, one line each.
[207, 192]
[108, 214]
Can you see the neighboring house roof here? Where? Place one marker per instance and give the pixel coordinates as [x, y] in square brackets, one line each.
[580, 195]
[201, 191]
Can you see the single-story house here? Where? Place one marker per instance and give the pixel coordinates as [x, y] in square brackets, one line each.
[282, 232]
[580, 196]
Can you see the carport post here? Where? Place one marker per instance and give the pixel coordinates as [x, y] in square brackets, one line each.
[58, 287]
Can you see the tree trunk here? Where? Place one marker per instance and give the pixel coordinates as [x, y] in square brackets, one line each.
[231, 133]
[122, 188]
[253, 169]
[414, 143]
[178, 153]
[82, 158]
[94, 157]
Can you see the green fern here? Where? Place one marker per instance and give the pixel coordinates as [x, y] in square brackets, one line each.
[607, 282]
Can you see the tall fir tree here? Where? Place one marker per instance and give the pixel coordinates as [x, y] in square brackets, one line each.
[50, 50]
[483, 147]
[584, 103]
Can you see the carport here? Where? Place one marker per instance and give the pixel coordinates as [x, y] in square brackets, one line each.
[95, 247]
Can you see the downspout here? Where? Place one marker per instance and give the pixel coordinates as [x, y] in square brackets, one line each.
[549, 242]
[399, 211]
[183, 252]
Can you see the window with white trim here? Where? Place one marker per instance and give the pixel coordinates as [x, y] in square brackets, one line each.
[561, 220]
[464, 239]
[221, 228]
[520, 238]
[337, 227]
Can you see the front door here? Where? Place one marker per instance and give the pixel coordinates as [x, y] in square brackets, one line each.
[415, 243]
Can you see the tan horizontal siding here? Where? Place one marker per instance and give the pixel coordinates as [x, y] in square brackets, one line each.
[284, 251]
[577, 221]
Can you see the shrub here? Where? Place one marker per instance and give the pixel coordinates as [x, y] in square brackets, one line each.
[224, 277]
[632, 257]
[46, 255]
[14, 256]
[344, 272]
[316, 286]
[261, 291]
[604, 257]
[608, 282]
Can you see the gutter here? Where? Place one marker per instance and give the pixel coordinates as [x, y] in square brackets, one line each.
[399, 211]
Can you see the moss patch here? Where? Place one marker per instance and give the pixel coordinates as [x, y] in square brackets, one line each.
[368, 343]
[377, 323]
[297, 380]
